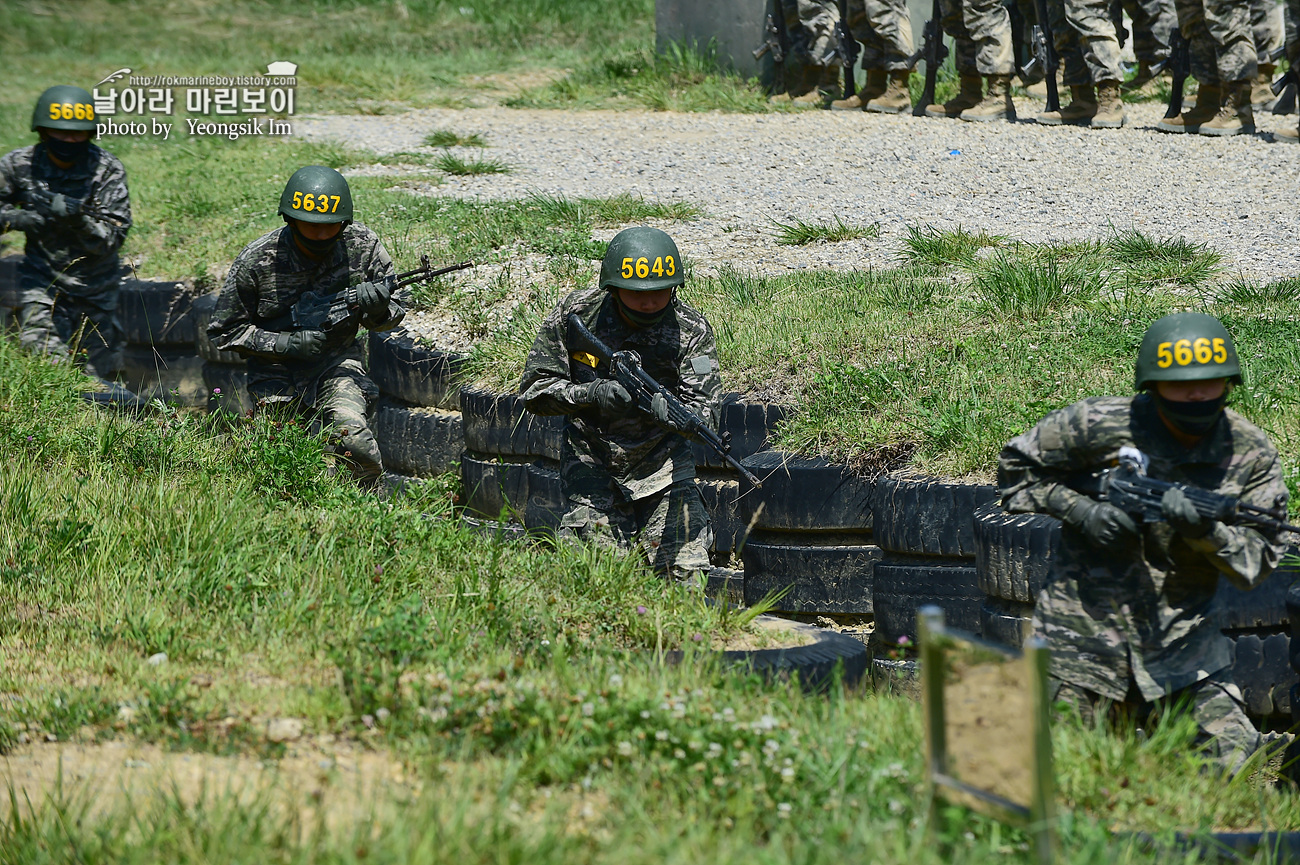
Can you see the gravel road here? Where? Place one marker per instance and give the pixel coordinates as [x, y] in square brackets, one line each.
[1023, 180]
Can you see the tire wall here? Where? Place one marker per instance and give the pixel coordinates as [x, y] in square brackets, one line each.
[160, 360]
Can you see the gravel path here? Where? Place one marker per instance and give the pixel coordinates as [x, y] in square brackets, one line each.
[1023, 180]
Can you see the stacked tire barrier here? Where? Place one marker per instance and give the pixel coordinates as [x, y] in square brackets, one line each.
[160, 361]
[417, 421]
[8, 291]
[1013, 559]
[225, 379]
[510, 470]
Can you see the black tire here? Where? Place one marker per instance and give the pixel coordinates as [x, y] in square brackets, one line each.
[835, 578]
[493, 529]
[546, 502]
[418, 441]
[805, 494]
[1013, 552]
[498, 423]
[815, 662]
[174, 376]
[899, 676]
[412, 373]
[902, 586]
[727, 584]
[157, 312]
[750, 425]
[927, 517]
[1003, 621]
[203, 308]
[720, 496]
[226, 388]
[1261, 667]
[493, 486]
[1264, 606]
[9, 299]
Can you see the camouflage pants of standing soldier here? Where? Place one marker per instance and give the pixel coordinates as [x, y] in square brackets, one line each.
[884, 27]
[53, 325]
[1220, 41]
[672, 527]
[1225, 733]
[1293, 31]
[1069, 48]
[1091, 20]
[1266, 27]
[814, 46]
[982, 32]
[1153, 27]
[338, 399]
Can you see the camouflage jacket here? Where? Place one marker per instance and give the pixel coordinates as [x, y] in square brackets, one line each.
[76, 256]
[640, 457]
[1147, 617]
[269, 277]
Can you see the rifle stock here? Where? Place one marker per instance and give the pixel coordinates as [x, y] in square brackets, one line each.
[933, 51]
[1181, 61]
[1045, 53]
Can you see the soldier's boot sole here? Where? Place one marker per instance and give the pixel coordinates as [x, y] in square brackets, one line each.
[1222, 130]
[1065, 118]
[943, 113]
[1177, 126]
[853, 103]
[1109, 120]
[1007, 113]
[1287, 134]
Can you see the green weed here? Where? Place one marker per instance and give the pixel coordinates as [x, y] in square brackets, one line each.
[800, 233]
[1245, 292]
[930, 246]
[1031, 288]
[461, 167]
[1175, 260]
[451, 138]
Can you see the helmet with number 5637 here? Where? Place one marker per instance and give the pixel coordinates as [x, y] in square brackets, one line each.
[641, 259]
[65, 106]
[317, 194]
[1186, 346]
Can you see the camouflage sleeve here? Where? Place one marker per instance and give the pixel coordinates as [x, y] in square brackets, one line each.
[546, 384]
[1244, 554]
[380, 269]
[109, 196]
[9, 195]
[231, 327]
[701, 380]
[1033, 465]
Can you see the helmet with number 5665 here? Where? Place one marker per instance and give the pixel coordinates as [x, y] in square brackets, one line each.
[1186, 346]
[641, 259]
[316, 193]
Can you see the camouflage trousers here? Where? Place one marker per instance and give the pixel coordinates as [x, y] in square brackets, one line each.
[884, 27]
[337, 399]
[1153, 27]
[982, 32]
[1221, 44]
[1293, 31]
[1094, 29]
[811, 25]
[1266, 26]
[56, 325]
[671, 528]
[1225, 733]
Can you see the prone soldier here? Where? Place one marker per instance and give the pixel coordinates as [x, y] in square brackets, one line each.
[1127, 609]
[69, 197]
[297, 361]
[628, 474]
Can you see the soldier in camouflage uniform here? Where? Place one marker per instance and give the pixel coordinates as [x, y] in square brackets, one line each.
[811, 68]
[297, 367]
[70, 198]
[1266, 26]
[629, 477]
[884, 27]
[985, 50]
[1089, 34]
[1127, 611]
[1224, 63]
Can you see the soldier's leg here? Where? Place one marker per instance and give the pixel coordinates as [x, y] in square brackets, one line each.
[860, 28]
[1100, 45]
[891, 47]
[1083, 97]
[1225, 731]
[101, 339]
[1266, 27]
[675, 531]
[37, 331]
[990, 25]
[1073, 700]
[611, 527]
[1228, 23]
[344, 396]
[1291, 133]
[1153, 26]
[1204, 68]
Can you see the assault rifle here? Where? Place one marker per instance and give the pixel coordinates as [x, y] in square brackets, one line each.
[1180, 63]
[775, 42]
[848, 49]
[933, 52]
[1284, 88]
[330, 311]
[1128, 487]
[1117, 18]
[1045, 54]
[625, 368]
[41, 200]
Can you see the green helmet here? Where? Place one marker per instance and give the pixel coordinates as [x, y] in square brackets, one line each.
[641, 259]
[1186, 346]
[64, 106]
[317, 194]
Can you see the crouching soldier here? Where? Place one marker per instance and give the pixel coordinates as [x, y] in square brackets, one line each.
[293, 304]
[628, 476]
[70, 198]
[1127, 610]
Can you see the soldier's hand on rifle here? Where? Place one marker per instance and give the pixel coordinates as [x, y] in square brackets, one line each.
[24, 220]
[1104, 525]
[63, 207]
[659, 409]
[372, 297]
[610, 397]
[301, 344]
[1182, 515]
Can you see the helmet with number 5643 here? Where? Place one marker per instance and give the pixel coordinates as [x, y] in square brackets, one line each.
[1186, 346]
[317, 194]
[641, 259]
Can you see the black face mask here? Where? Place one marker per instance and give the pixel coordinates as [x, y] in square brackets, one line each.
[67, 151]
[1192, 418]
[318, 248]
[642, 319]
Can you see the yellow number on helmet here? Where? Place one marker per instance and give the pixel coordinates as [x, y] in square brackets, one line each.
[67, 111]
[335, 199]
[1202, 349]
[626, 269]
[670, 266]
[309, 202]
[324, 204]
[1164, 359]
[642, 268]
[297, 201]
[658, 267]
[1183, 352]
[1220, 350]
[55, 113]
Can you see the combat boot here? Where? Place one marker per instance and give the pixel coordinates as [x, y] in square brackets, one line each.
[1261, 89]
[997, 104]
[1288, 134]
[1110, 107]
[1083, 105]
[897, 98]
[874, 86]
[1236, 117]
[1208, 97]
[970, 94]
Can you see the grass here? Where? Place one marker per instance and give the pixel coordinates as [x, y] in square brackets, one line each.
[461, 167]
[800, 233]
[517, 686]
[451, 138]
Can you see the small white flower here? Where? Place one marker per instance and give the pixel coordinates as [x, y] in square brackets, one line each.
[787, 773]
[588, 709]
[783, 810]
[615, 680]
[661, 736]
[624, 749]
[645, 714]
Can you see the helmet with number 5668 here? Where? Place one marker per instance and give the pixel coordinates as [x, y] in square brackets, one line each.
[316, 193]
[641, 259]
[65, 106]
[1186, 346]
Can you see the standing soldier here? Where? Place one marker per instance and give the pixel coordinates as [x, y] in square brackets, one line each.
[302, 357]
[985, 51]
[1089, 34]
[1221, 47]
[1153, 28]
[1127, 610]
[628, 476]
[811, 69]
[884, 27]
[70, 198]
[1266, 27]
